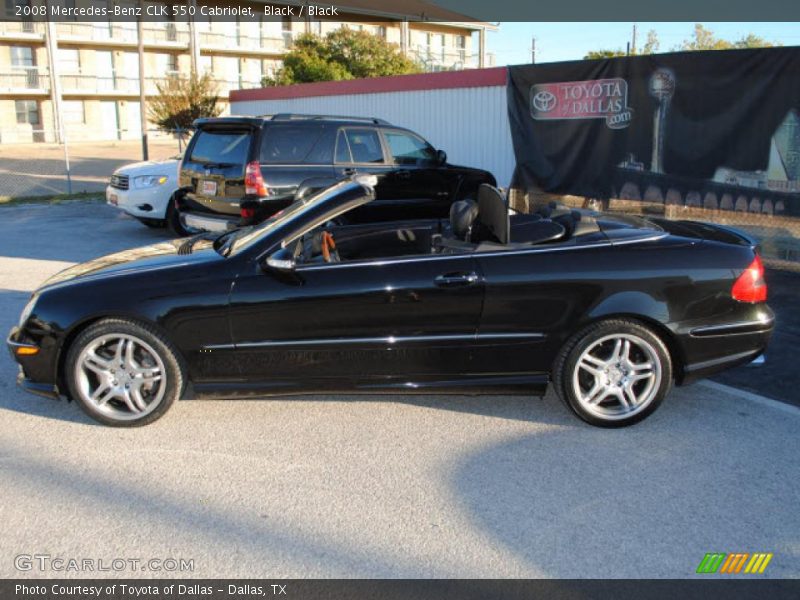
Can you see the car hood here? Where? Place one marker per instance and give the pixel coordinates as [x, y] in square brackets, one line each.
[150, 167]
[135, 260]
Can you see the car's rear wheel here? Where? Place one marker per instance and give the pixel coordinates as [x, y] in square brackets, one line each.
[123, 373]
[613, 373]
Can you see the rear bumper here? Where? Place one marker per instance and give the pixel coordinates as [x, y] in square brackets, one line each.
[196, 222]
[714, 348]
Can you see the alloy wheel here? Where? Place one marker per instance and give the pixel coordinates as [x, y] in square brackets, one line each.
[121, 376]
[617, 376]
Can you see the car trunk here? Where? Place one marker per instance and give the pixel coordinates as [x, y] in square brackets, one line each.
[214, 167]
[705, 231]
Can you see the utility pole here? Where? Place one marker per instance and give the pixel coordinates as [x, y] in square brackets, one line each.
[633, 40]
[142, 99]
[627, 49]
[533, 50]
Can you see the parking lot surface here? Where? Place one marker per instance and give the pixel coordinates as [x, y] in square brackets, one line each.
[385, 486]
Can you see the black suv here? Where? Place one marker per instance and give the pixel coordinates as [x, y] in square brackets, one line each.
[241, 170]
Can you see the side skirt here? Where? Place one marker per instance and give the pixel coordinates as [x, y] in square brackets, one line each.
[527, 384]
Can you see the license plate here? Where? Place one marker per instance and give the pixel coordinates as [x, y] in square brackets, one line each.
[113, 199]
[210, 188]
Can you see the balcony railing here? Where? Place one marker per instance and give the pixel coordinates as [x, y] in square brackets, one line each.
[97, 32]
[443, 58]
[214, 39]
[170, 33]
[15, 28]
[21, 79]
[84, 83]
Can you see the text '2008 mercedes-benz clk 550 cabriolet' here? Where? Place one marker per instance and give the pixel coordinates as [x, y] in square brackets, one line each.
[612, 310]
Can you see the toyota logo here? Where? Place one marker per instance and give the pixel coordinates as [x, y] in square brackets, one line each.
[544, 101]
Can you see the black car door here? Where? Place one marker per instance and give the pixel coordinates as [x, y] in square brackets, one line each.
[379, 320]
[417, 182]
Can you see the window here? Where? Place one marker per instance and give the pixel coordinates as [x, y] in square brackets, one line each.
[408, 149]
[22, 57]
[288, 144]
[365, 146]
[27, 112]
[73, 112]
[206, 65]
[69, 60]
[342, 149]
[229, 147]
[380, 31]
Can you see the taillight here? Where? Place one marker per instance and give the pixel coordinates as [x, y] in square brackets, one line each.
[253, 181]
[247, 213]
[750, 285]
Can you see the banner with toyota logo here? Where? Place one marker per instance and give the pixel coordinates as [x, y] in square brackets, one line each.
[715, 129]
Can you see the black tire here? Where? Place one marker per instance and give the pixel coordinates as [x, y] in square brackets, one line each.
[174, 221]
[645, 346]
[166, 390]
[152, 223]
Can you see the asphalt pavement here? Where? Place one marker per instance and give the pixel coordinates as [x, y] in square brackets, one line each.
[384, 486]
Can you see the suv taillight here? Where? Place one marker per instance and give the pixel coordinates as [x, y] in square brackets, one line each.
[750, 285]
[253, 181]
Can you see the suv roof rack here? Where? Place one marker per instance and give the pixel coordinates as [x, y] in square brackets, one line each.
[299, 116]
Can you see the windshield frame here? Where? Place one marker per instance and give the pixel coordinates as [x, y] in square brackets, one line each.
[297, 210]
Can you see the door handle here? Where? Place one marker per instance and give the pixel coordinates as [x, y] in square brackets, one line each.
[349, 171]
[403, 174]
[456, 279]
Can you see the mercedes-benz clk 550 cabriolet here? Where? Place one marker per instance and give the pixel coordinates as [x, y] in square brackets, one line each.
[611, 310]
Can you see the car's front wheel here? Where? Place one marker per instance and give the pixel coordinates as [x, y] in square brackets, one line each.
[123, 373]
[613, 373]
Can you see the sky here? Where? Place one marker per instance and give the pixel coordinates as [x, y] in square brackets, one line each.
[571, 41]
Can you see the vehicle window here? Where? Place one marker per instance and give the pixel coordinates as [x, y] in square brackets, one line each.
[215, 146]
[288, 143]
[408, 149]
[342, 149]
[365, 145]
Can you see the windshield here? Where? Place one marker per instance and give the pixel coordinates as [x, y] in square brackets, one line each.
[245, 237]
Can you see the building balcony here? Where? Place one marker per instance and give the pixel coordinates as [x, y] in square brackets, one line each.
[238, 44]
[93, 84]
[25, 81]
[168, 35]
[22, 30]
[100, 32]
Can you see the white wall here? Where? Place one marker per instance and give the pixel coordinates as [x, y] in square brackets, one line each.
[470, 124]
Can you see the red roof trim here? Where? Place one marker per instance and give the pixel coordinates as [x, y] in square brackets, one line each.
[399, 83]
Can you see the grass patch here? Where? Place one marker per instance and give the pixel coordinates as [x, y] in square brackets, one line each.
[52, 198]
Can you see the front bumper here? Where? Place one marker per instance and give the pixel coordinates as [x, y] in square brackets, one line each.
[146, 203]
[31, 365]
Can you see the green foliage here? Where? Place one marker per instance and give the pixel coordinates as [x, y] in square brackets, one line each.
[342, 54]
[651, 46]
[181, 100]
[704, 39]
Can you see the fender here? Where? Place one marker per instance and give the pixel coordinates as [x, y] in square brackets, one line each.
[632, 303]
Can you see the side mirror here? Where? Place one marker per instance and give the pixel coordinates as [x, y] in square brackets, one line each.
[441, 157]
[280, 264]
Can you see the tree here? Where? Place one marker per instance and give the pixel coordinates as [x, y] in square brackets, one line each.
[181, 100]
[704, 39]
[342, 54]
[651, 46]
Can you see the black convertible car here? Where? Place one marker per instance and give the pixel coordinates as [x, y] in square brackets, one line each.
[612, 310]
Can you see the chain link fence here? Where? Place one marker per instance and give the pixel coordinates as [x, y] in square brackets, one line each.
[47, 169]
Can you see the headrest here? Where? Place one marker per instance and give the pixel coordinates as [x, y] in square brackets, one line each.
[493, 213]
[462, 215]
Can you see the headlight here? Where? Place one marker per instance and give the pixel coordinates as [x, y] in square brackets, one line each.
[26, 312]
[146, 181]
